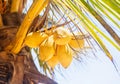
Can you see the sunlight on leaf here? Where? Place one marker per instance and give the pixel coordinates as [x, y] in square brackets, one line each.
[34, 10]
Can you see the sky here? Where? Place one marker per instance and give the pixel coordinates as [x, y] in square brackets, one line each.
[90, 69]
[94, 71]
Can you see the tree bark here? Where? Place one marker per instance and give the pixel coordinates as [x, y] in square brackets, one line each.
[17, 68]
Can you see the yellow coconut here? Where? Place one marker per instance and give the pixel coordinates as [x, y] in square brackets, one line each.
[62, 36]
[34, 39]
[47, 49]
[53, 62]
[64, 53]
[76, 42]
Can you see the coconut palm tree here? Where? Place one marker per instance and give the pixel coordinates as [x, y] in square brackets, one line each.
[56, 31]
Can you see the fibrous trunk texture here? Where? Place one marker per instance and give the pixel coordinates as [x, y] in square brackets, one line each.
[17, 68]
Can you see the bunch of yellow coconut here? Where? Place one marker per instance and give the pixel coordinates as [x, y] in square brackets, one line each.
[55, 46]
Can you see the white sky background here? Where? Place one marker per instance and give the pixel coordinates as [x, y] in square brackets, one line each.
[91, 69]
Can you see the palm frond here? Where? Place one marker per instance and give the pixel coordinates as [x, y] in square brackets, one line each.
[89, 25]
[34, 10]
[100, 9]
[88, 8]
[76, 16]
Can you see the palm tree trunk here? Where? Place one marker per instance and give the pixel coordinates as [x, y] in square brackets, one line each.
[17, 68]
